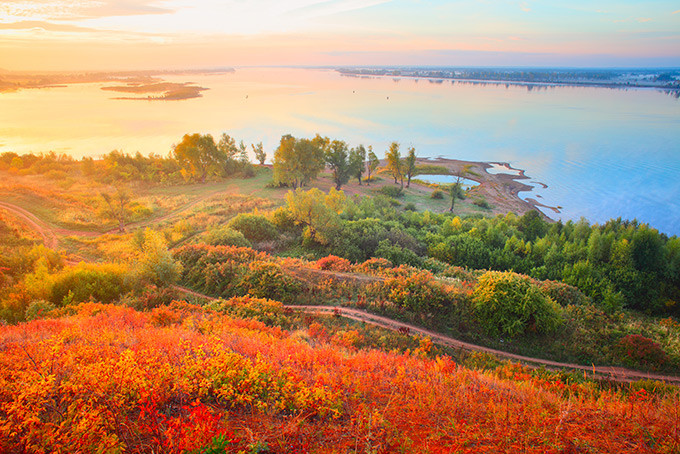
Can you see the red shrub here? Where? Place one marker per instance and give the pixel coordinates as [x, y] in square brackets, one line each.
[639, 350]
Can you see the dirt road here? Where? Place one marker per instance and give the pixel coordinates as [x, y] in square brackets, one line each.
[617, 374]
[46, 232]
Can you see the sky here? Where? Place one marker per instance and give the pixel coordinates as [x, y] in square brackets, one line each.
[178, 34]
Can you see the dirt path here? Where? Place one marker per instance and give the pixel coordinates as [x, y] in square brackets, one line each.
[46, 232]
[51, 234]
[176, 212]
[617, 374]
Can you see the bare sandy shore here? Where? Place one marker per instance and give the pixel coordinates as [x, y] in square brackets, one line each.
[500, 189]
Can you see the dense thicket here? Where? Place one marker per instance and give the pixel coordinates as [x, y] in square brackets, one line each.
[617, 264]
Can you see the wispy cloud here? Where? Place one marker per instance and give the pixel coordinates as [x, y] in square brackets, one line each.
[77, 9]
[644, 19]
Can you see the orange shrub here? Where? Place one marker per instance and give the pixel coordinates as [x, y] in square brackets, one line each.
[334, 263]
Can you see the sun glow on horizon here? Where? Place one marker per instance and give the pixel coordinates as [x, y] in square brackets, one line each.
[107, 34]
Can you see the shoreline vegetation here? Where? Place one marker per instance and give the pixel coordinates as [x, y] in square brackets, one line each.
[667, 80]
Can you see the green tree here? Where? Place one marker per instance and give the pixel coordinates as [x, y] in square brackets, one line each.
[394, 165]
[260, 154]
[317, 212]
[243, 154]
[456, 189]
[227, 146]
[117, 207]
[373, 163]
[337, 159]
[410, 165]
[297, 161]
[199, 156]
[456, 192]
[357, 158]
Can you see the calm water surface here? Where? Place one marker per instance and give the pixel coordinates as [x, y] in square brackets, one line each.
[603, 153]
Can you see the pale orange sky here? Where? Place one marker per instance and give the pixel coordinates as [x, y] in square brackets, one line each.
[136, 34]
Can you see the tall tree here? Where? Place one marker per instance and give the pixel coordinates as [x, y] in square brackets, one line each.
[456, 192]
[372, 165]
[260, 154]
[410, 165]
[297, 161]
[117, 207]
[394, 165]
[357, 157]
[243, 153]
[456, 189]
[198, 155]
[336, 157]
[227, 146]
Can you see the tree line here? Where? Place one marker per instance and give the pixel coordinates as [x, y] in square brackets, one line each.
[297, 161]
[196, 158]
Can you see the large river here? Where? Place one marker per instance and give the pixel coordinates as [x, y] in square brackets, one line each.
[603, 153]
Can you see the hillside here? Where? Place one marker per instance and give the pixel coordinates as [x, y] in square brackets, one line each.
[188, 379]
[148, 306]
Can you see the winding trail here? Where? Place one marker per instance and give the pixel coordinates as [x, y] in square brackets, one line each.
[617, 374]
[46, 232]
[51, 234]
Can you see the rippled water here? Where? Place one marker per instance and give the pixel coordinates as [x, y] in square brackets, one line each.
[602, 152]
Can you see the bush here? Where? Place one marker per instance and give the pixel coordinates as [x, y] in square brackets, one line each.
[150, 297]
[418, 292]
[391, 191]
[225, 236]
[156, 263]
[510, 304]
[482, 203]
[267, 311]
[254, 227]
[637, 350]
[374, 266]
[410, 207]
[39, 309]
[334, 263]
[564, 294]
[437, 194]
[398, 255]
[99, 282]
[267, 280]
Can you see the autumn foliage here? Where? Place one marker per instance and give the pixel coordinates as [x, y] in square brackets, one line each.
[182, 378]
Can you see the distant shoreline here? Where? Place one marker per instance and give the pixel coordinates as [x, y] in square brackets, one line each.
[670, 85]
[137, 82]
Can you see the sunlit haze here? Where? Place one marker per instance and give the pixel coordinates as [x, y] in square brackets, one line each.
[127, 34]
